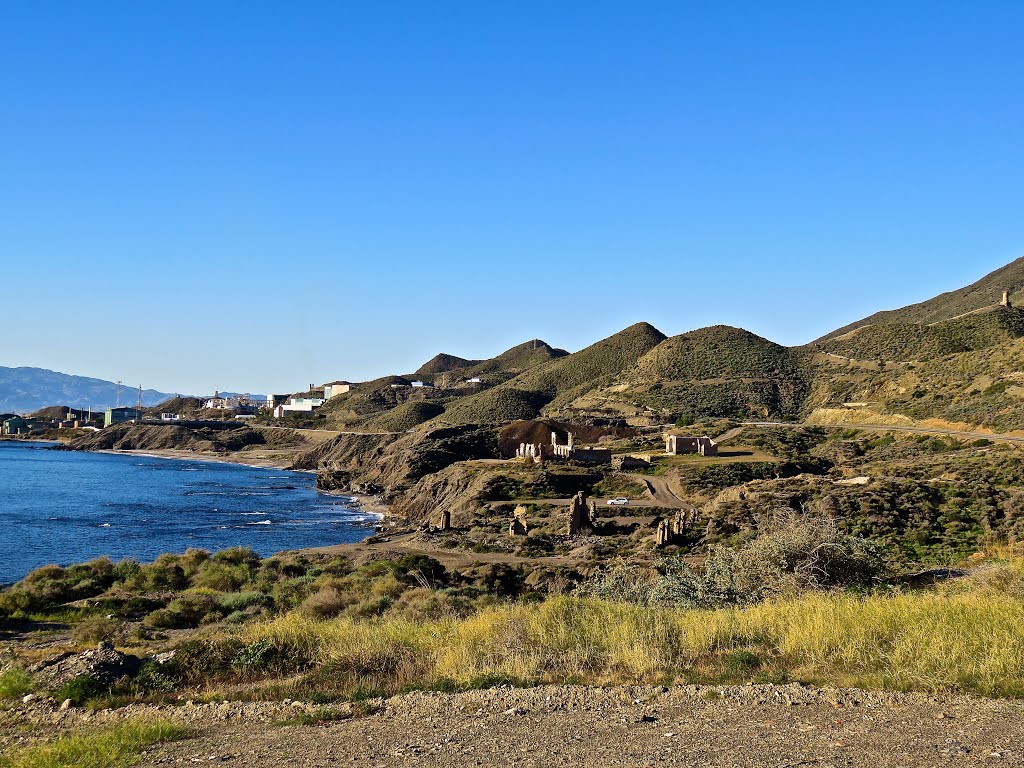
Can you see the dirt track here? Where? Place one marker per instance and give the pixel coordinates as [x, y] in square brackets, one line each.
[743, 726]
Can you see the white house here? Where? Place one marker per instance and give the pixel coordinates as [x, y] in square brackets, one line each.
[299, 405]
[216, 402]
[422, 384]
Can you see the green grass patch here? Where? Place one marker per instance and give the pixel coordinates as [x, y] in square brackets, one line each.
[14, 683]
[113, 747]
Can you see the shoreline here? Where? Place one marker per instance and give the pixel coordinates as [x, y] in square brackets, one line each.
[361, 503]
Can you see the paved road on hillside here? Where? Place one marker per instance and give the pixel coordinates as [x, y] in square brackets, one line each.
[893, 428]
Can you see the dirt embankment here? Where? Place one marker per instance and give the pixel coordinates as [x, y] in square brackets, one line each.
[743, 726]
[391, 465]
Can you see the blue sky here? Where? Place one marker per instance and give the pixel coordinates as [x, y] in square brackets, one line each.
[261, 195]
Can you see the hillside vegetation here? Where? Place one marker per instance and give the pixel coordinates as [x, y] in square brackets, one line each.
[913, 341]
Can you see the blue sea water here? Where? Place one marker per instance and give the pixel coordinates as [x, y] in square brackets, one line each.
[65, 507]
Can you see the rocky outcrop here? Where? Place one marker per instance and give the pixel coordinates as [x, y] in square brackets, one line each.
[105, 665]
[389, 464]
[458, 489]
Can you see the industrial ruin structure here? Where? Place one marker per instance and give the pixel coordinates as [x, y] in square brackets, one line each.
[676, 445]
[568, 451]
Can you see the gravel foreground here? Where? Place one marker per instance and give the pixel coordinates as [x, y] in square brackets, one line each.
[753, 725]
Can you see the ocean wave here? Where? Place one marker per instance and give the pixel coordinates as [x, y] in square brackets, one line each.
[261, 522]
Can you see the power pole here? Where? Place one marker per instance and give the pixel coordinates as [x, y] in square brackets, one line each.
[138, 406]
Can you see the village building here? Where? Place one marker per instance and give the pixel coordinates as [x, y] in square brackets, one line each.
[13, 424]
[676, 445]
[275, 400]
[122, 415]
[216, 402]
[298, 405]
[336, 388]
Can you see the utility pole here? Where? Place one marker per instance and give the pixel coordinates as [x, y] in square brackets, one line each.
[118, 405]
[138, 407]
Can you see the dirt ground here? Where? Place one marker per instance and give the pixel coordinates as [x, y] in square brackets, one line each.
[780, 727]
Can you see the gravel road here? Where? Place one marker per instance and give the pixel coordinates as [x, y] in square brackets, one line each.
[773, 726]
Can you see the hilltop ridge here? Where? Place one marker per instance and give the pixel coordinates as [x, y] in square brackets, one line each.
[983, 293]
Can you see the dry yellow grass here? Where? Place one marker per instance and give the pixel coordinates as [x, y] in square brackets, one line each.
[964, 637]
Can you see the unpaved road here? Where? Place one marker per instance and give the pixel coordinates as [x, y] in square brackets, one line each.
[557, 726]
[894, 428]
[660, 491]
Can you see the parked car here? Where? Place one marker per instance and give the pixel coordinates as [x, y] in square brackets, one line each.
[619, 502]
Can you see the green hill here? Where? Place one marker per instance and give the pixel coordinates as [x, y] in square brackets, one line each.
[443, 363]
[716, 352]
[914, 341]
[559, 380]
[717, 372]
[404, 417]
[517, 359]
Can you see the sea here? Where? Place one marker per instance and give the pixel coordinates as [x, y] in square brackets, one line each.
[66, 507]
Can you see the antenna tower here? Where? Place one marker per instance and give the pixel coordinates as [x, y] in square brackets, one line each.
[138, 406]
[118, 405]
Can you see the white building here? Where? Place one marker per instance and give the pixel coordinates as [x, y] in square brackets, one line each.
[299, 405]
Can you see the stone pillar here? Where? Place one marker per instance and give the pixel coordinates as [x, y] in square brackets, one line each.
[580, 520]
[663, 533]
[518, 526]
[445, 523]
[1006, 299]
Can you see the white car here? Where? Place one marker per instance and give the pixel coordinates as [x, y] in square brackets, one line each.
[619, 502]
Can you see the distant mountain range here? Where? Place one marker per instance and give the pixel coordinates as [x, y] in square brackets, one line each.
[25, 390]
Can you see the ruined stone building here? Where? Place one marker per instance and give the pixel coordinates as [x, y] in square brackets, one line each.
[584, 455]
[681, 444]
[569, 451]
[672, 530]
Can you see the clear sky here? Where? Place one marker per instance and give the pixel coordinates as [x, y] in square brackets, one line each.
[256, 196]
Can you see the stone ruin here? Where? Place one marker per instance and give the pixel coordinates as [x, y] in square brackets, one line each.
[1006, 300]
[581, 514]
[671, 530]
[518, 525]
[532, 451]
[444, 521]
